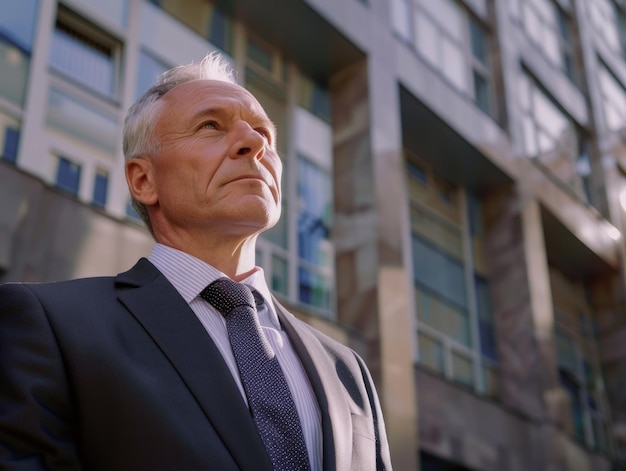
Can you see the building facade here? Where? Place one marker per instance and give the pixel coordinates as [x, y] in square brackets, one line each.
[454, 194]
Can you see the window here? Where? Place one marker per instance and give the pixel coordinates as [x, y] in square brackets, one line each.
[115, 11]
[613, 99]
[553, 139]
[315, 98]
[607, 18]
[100, 188]
[131, 212]
[456, 335]
[17, 26]
[85, 54]
[68, 176]
[550, 29]
[578, 362]
[452, 41]
[203, 18]
[297, 254]
[147, 72]
[314, 225]
[11, 140]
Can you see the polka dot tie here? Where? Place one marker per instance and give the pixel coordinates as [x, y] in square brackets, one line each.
[269, 398]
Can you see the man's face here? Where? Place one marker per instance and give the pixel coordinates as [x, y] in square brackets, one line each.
[217, 168]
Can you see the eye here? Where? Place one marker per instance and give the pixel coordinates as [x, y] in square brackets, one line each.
[265, 133]
[209, 125]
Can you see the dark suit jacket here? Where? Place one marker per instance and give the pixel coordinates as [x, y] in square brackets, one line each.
[118, 374]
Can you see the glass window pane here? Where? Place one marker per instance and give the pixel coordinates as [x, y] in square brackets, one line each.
[280, 275]
[100, 188]
[314, 289]
[220, 30]
[82, 120]
[486, 326]
[17, 22]
[260, 55]
[131, 212]
[548, 116]
[68, 176]
[480, 48]
[77, 56]
[441, 316]
[430, 352]
[552, 47]
[454, 65]
[447, 14]
[439, 273]
[482, 92]
[113, 10]
[314, 213]
[427, 38]
[462, 370]
[400, 14]
[532, 23]
[491, 378]
[13, 73]
[147, 72]
[10, 144]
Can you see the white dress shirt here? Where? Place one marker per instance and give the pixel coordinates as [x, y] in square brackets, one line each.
[190, 276]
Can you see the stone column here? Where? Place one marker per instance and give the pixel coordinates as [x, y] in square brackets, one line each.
[372, 284]
[522, 302]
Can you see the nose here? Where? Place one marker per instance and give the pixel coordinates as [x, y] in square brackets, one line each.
[248, 142]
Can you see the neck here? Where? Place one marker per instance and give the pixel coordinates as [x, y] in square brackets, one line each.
[235, 258]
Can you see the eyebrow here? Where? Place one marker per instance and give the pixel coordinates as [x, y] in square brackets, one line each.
[221, 112]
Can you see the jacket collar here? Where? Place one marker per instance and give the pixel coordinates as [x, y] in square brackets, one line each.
[167, 318]
[322, 373]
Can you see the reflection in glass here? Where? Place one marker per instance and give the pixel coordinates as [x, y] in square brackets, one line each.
[13, 73]
[17, 22]
[81, 120]
[314, 213]
[314, 289]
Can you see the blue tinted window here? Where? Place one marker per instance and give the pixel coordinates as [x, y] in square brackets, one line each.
[68, 176]
[315, 213]
[11, 140]
[131, 212]
[147, 73]
[100, 188]
[485, 320]
[439, 272]
[82, 59]
[314, 289]
[219, 32]
[17, 22]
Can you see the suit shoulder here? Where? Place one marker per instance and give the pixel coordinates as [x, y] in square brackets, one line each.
[59, 291]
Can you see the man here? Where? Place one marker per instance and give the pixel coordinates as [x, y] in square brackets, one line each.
[142, 371]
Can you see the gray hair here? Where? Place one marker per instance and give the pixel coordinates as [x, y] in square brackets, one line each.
[139, 138]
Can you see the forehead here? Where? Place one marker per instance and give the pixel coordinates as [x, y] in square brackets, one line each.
[190, 98]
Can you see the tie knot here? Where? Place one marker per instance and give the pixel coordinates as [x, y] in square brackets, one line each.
[225, 295]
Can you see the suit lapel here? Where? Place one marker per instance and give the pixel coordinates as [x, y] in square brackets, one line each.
[322, 373]
[173, 326]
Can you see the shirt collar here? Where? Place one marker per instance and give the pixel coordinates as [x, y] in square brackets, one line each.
[190, 275]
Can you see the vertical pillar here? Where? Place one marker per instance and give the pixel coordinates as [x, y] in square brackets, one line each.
[369, 229]
[522, 299]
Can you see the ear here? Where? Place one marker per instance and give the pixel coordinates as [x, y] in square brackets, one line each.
[140, 179]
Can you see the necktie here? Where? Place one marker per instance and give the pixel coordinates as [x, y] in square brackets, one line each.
[269, 398]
